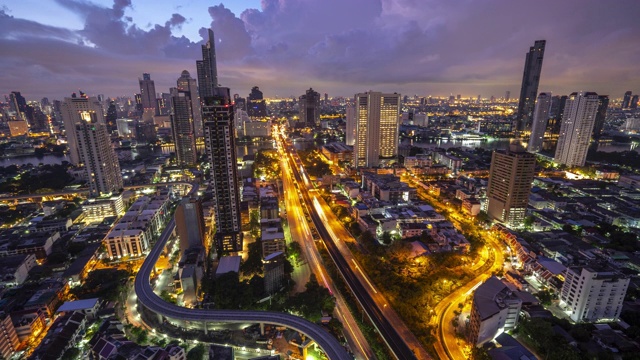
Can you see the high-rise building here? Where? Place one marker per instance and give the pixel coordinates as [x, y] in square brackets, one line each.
[256, 107]
[601, 116]
[310, 108]
[182, 127]
[9, 342]
[376, 128]
[507, 95]
[218, 115]
[530, 81]
[578, 120]
[634, 102]
[187, 83]
[555, 114]
[207, 68]
[626, 101]
[190, 224]
[97, 155]
[148, 97]
[18, 103]
[593, 293]
[540, 117]
[510, 178]
[350, 130]
[112, 116]
[73, 112]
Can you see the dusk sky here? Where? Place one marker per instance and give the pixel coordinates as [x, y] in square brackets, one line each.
[54, 47]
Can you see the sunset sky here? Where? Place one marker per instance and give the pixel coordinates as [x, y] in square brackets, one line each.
[54, 47]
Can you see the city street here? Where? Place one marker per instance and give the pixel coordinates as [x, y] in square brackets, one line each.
[301, 233]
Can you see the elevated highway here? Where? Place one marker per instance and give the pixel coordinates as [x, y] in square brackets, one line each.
[207, 319]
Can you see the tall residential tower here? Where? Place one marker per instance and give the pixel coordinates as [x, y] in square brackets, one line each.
[148, 97]
[310, 108]
[540, 118]
[73, 110]
[575, 131]
[207, 68]
[183, 127]
[376, 128]
[530, 81]
[510, 178]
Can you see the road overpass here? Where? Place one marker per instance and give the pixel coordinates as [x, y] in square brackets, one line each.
[207, 319]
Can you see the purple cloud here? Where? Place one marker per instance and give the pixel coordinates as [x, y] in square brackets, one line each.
[335, 46]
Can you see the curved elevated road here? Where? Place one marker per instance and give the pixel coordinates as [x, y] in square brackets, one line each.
[153, 302]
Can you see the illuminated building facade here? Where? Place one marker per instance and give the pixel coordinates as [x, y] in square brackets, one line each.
[376, 128]
[72, 110]
[577, 125]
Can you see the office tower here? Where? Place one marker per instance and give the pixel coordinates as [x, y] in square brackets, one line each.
[148, 97]
[555, 114]
[376, 137]
[530, 81]
[73, 111]
[601, 116]
[138, 102]
[97, 155]
[218, 116]
[626, 101]
[187, 83]
[182, 127]
[507, 95]
[540, 117]
[256, 107]
[576, 128]
[495, 308]
[207, 68]
[594, 293]
[190, 224]
[112, 116]
[310, 108]
[18, 104]
[350, 130]
[634, 102]
[510, 178]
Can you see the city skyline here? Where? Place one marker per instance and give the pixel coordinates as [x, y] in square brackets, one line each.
[386, 46]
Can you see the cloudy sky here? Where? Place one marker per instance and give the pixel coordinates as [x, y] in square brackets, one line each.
[427, 47]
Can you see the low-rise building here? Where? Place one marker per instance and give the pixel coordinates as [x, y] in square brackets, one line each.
[471, 206]
[273, 272]
[495, 309]
[96, 209]
[228, 264]
[14, 270]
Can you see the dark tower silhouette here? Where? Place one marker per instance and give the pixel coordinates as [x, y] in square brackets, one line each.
[530, 81]
[626, 100]
[310, 108]
[207, 68]
[218, 115]
[601, 115]
[256, 106]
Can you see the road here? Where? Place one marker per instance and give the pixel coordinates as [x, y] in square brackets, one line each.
[400, 340]
[301, 233]
[204, 318]
[448, 345]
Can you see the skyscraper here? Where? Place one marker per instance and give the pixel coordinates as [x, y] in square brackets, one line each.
[530, 81]
[634, 102]
[626, 101]
[601, 116]
[73, 110]
[310, 108]
[218, 116]
[182, 127]
[510, 178]
[148, 97]
[256, 107]
[190, 224]
[18, 103]
[540, 117]
[555, 114]
[187, 83]
[507, 95]
[97, 154]
[376, 126]
[577, 125]
[207, 68]
[350, 130]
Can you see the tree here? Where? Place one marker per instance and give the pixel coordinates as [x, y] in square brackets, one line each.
[71, 354]
[386, 238]
[197, 353]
